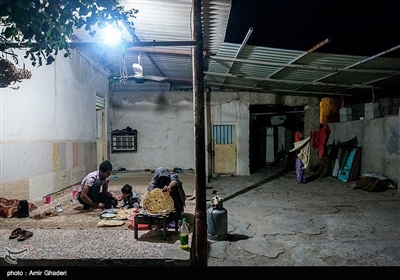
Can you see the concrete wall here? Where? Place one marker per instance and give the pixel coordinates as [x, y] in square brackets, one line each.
[379, 139]
[48, 128]
[165, 123]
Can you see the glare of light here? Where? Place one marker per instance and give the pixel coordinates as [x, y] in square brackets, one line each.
[111, 35]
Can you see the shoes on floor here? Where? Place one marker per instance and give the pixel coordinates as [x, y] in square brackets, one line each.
[25, 234]
[21, 234]
[15, 233]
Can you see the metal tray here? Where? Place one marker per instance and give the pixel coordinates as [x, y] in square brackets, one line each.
[107, 215]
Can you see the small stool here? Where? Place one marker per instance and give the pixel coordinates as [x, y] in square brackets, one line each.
[160, 220]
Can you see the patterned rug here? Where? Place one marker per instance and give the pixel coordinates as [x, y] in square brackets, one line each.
[9, 207]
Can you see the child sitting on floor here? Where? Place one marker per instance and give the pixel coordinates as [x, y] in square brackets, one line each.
[130, 198]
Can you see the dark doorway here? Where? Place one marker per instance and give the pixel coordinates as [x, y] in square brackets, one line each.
[261, 118]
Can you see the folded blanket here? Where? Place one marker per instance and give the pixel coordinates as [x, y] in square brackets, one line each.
[305, 149]
[9, 207]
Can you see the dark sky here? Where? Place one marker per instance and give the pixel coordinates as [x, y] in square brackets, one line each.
[354, 27]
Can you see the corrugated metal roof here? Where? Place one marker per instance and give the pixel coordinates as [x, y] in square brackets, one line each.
[163, 21]
[230, 66]
[294, 72]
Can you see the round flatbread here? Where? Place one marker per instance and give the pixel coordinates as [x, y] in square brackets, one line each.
[158, 202]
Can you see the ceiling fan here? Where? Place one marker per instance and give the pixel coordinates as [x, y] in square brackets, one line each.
[138, 76]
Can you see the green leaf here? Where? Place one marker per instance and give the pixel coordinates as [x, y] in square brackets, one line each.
[9, 32]
[83, 10]
[50, 60]
[44, 25]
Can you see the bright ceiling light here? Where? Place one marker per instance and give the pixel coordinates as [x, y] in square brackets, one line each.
[111, 35]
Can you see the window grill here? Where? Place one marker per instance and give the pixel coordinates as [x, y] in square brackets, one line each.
[124, 141]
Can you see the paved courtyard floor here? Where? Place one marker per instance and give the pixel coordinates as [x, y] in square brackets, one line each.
[271, 222]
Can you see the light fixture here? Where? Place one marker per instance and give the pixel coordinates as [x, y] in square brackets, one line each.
[111, 35]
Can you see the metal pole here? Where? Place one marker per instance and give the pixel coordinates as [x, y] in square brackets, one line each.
[200, 227]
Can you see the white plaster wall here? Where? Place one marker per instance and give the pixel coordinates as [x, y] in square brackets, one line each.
[42, 120]
[165, 123]
[379, 140]
[57, 103]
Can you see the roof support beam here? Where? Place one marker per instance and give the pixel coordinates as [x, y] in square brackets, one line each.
[140, 44]
[300, 56]
[383, 53]
[162, 50]
[240, 49]
[360, 62]
[300, 83]
[280, 91]
[300, 66]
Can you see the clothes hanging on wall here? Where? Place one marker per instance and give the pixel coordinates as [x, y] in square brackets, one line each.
[319, 139]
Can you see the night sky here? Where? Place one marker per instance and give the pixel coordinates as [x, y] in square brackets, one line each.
[354, 27]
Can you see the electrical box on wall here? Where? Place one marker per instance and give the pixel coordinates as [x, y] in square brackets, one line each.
[124, 140]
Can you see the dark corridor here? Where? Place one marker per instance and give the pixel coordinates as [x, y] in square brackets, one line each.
[261, 116]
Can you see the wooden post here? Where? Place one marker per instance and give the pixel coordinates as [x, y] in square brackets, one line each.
[200, 219]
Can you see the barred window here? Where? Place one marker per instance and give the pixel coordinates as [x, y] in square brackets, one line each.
[123, 142]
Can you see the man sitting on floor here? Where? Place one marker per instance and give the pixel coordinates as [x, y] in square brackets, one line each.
[89, 194]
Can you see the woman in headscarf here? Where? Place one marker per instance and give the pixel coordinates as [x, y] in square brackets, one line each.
[169, 182]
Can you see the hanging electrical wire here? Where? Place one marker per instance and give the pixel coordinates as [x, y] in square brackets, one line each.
[123, 73]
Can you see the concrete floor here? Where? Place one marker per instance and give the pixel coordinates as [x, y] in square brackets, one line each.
[325, 222]
[72, 236]
[271, 222]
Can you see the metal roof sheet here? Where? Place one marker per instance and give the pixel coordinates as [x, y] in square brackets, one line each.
[230, 66]
[163, 21]
[280, 71]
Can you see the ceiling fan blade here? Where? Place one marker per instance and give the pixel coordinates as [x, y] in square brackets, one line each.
[155, 78]
[142, 79]
[139, 79]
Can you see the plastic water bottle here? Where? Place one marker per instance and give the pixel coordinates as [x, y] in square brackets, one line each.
[75, 194]
[184, 235]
